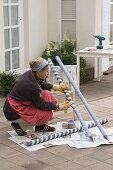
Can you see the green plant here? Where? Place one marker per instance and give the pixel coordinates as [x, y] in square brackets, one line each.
[65, 50]
[68, 45]
[83, 64]
[52, 49]
[6, 81]
[68, 51]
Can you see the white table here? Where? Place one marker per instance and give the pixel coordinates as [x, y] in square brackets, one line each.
[106, 52]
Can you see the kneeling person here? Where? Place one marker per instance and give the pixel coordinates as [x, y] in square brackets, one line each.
[30, 102]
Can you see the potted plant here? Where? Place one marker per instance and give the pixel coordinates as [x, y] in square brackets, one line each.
[66, 50]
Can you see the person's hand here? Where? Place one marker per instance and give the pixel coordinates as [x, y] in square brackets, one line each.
[64, 106]
[60, 87]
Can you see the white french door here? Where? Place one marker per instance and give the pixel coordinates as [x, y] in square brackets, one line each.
[68, 18]
[111, 21]
[107, 25]
[13, 35]
[111, 27]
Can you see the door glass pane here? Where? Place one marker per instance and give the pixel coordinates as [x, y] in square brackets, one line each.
[6, 37]
[15, 37]
[7, 61]
[5, 1]
[14, 15]
[111, 32]
[6, 16]
[14, 1]
[69, 28]
[15, 59]
[111, 14]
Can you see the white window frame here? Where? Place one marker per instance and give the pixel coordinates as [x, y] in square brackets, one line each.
[21, 44]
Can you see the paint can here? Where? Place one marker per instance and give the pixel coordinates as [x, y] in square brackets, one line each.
[71, 124]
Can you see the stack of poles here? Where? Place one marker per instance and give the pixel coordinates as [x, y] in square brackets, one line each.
[69, 98]
[60, 134]
[90, 111]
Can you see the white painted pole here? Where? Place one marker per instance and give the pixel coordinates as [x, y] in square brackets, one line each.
[68, 97]
[92, 114]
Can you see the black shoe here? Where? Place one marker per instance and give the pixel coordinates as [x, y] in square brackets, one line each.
[18, 129]
[44, 128]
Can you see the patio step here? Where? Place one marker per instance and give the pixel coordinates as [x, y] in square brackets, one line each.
[109, 71]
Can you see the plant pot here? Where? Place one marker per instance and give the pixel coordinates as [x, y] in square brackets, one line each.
[88, 75]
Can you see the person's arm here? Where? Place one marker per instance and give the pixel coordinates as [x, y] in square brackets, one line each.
[47, 86]
[44, 85]
[47, 106]
[40, 103]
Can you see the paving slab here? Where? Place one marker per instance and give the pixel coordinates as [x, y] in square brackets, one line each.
[100, 97]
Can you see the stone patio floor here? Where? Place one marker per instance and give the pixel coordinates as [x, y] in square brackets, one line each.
[100, 97]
